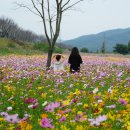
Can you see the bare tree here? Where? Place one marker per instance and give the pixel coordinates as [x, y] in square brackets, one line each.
[6, 25]
[51, 12]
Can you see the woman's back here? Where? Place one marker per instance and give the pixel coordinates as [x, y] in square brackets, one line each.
[75, 60]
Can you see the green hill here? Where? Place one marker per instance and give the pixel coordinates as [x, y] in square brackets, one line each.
[8, 46]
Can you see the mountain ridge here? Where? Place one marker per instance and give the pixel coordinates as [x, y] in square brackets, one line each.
[94, 41]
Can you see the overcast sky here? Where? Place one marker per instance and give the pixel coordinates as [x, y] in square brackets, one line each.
[90, 18]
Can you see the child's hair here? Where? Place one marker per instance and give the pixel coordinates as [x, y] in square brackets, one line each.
[58, 57]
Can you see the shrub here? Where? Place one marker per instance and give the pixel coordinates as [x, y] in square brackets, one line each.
[85, 50]
[121, 48]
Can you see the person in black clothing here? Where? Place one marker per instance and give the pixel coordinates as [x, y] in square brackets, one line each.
[75, 60]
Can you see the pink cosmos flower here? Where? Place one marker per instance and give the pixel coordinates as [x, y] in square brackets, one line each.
[122, 101]
[98, 120]
[78, 117]
[46, 123]
[94, 122]
[4, 114]
[55, 104]
[12, 118]
[52, 106]
[66, 111]
[97, 97]
[102, 74]
[49, 108]
[62, 119]
[101, 118]
[120, 74]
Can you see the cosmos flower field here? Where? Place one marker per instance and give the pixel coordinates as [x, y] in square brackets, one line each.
[97, 98]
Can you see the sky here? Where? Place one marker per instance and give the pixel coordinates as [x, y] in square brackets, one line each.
[89, 17]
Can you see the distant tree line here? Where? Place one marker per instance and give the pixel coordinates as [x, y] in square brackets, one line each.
[84, 50]
[119, 48]
[122, 49]
[9, 29]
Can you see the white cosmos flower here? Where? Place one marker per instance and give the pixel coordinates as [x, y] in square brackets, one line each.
[110, 90]
[44, 104]
[99, 101]
[30, 106]
[9, 108]
[95, 90]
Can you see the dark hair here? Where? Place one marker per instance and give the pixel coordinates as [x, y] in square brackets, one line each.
[58, 57]
[74, 51]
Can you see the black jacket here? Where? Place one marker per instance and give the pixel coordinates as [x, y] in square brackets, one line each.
[75, 61]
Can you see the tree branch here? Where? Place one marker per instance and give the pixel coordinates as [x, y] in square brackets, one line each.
[24, 6]
[64, 9]
[44, 23]
[36, 8]
[50, 20]
[65, 3]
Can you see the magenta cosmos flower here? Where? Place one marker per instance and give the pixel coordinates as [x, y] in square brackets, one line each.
[30, 100]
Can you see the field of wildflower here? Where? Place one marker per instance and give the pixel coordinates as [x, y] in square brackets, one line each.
[97, 98]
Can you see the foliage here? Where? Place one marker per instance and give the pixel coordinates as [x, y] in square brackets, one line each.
[85, 50]
[44, 47]
[41, 47]
[11, 45]
[121, 48]
[103, 48]
[129, 46]
[58, 50]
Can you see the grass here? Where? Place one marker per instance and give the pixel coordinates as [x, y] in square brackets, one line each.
[8, 46]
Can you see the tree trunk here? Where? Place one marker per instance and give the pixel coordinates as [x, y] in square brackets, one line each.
[50, 51]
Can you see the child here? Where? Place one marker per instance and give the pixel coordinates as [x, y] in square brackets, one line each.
[75, 60]
[58, 60]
